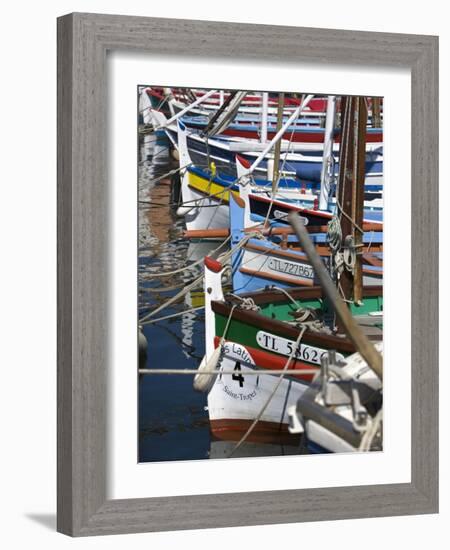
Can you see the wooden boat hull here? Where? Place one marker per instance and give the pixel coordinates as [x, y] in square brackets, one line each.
[306, 165]
[277, 261]
[296, 134]
[201, 192]
[235, 400]
[257, 266]
[256, 341]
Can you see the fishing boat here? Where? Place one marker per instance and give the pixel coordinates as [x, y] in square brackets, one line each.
[206, 193]
[258, 331]
[304, 164]
[250, 104]
[296, 134]
[274, 257]
[268, 345]
[301, 161]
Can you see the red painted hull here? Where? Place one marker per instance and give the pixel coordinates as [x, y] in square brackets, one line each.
[298, 137]
[269, 433]
[271, 361]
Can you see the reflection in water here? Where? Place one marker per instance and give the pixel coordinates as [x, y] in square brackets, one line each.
[173, 422]
[223, 449]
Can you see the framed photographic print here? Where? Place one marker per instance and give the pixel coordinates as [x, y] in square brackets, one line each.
[247, 274]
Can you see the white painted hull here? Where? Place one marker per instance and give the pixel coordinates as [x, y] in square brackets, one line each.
[272, 266]
[287, 270]
[206, 213]
[241, 398]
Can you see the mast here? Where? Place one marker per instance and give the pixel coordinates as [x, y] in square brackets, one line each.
[327, 163]
[276, 156]
[220, 111]
[168, 94]
[264, 114]
[376, 112]
[279, 134]
[176, 116]
[351, 195]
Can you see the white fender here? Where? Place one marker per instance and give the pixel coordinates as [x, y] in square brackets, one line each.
[142, 341]
[204, 382]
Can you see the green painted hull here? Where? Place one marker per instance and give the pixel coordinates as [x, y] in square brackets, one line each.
[245, 332]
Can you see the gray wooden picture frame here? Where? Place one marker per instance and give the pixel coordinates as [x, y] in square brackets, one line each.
[83, 41]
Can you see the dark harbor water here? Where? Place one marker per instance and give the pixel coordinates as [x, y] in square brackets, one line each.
[173, 420]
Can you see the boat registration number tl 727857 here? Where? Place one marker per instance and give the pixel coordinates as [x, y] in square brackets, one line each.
[304, 271]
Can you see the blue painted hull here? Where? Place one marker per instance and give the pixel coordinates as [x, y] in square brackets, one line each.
[307, 172]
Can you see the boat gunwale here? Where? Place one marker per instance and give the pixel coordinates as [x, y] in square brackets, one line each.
[281, 328]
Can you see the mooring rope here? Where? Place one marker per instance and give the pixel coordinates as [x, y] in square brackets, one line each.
[286, 293]
[280, 172]
[187, 267]
[170, 173]
[269, 399]
[258, 372]
[222, 258]
[371, 432]
[158, 289]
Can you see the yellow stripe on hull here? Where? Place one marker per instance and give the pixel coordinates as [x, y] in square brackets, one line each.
[207, 187]
[197, 299]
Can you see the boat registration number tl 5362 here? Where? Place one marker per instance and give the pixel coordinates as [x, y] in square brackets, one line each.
[280, 345]
[304, 271]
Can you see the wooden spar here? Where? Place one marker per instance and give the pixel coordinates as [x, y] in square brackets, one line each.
[322, 249]
[218, 113]
[358, 202]
[354, 332]
[376, 112]
[264, 116]
[168, 95]
[279, 134]
[327, 161]
[223, 233]
[276, 156]
[351, 189]
[344, 191]
[188, 108]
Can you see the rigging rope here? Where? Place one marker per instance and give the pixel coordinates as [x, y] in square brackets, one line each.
[222, 258]
[269, 399]
[187, 267]
[371, 432]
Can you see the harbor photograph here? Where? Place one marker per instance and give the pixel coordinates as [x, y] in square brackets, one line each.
[260, 273]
